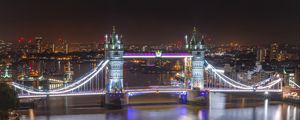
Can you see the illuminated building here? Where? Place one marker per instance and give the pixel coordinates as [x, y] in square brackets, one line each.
[53, 48]
[66, 48]
[114, 52]
[6, 73]
[291, 74]
[61, 47]
[261, 55]
[38, 43]
[68, 72]
[274, 51]
[5, 46]
[197, 49]
[26, 46]
[177, 66]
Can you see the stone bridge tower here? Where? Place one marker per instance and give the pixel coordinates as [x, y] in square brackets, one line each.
[195, 45]
[114, 53]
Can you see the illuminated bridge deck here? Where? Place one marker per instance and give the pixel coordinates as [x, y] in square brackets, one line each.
[63, 95]
[133, 91]
[155, 55]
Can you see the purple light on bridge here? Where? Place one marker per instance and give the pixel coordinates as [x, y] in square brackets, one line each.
[139, 54]
[176, 54]
[153, 55]
[203, 93]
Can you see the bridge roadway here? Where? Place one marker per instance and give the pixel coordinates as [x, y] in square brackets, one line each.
[101, 92]
[136, 91]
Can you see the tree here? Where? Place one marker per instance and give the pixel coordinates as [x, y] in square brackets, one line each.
[8, 100]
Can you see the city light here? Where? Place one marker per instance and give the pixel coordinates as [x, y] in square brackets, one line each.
[137, 60]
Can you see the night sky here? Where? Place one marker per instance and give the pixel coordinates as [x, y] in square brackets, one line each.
[150, 21]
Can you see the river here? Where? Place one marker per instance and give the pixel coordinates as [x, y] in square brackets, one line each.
[222, 107]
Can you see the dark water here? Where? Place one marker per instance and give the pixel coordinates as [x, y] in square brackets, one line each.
[222, 106]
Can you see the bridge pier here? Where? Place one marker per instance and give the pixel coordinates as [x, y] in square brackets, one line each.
[115, 100]
[198, 97]
[102, 100]
[273, 96]
[183, 98]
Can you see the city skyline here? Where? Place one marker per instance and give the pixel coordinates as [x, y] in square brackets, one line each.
[158, 59]
[245, 22]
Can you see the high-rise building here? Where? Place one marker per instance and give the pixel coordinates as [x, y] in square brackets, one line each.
[5, 46]
[38, 42]
[53, 48]
[282, 55]
[2, 46]
[66, 48]
[261, 54]
[274, 51]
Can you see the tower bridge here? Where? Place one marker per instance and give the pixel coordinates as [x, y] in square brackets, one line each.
[205, 77]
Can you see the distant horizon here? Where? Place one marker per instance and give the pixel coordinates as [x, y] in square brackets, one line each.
[296, 42]
[156, 44]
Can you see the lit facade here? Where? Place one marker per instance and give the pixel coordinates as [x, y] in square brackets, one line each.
[274, 51]
[196, 47]
[38, 41]
[114, 53]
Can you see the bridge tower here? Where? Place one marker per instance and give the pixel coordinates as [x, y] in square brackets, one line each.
[114, 53]
[195, 45]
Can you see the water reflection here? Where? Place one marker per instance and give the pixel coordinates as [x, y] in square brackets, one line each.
[203, 114]
[220, 109]
[31, 114]
[166, 112]
[288, 113]
[266, 109]
[295, 112]
[131, 114]
[292, 113]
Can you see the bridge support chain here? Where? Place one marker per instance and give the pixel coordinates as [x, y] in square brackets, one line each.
[115, 100]
[198, 97]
